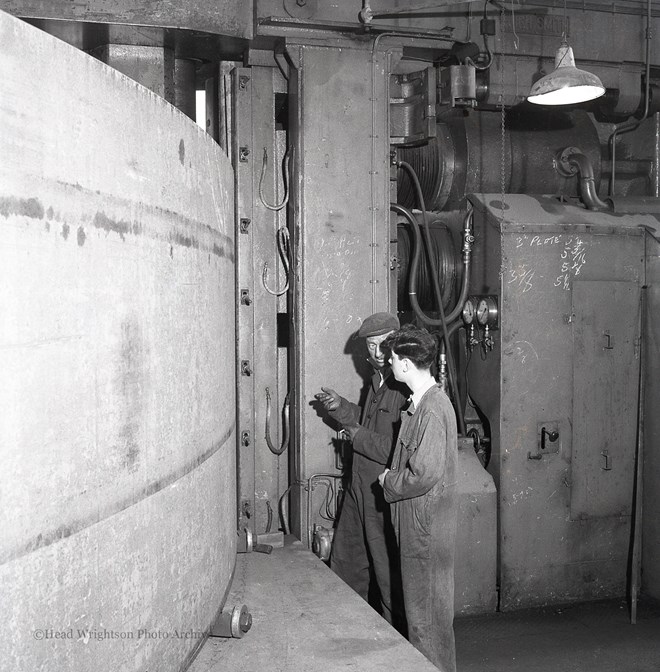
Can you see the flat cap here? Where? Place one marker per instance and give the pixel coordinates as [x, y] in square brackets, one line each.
[378, 324]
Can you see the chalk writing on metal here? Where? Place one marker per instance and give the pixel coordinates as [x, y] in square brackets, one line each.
[522, 276]
[573, 258]
[537, 241]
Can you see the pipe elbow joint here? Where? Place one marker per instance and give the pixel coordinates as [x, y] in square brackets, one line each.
[571, 161]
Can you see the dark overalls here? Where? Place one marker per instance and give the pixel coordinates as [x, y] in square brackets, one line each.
[422, 489]
[364, 542]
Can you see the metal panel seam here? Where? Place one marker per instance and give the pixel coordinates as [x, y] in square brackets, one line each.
[68, 530]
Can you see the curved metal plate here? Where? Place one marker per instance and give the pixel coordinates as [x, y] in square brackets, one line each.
[117, 351]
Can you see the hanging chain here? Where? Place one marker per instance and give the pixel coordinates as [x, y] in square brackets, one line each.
[502, 128]
[503, 153]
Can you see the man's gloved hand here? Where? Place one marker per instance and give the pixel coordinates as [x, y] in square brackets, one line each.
[329, 398]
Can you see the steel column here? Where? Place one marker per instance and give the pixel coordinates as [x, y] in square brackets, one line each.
[341, 232]
[261, 365]
[243, 156]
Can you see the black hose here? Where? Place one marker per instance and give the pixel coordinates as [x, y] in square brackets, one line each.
[468, 239]
[453, 328]
[284, 510]
[269, 524]
[451, 366]
[429, 249]
[412, 293]
[412, 280]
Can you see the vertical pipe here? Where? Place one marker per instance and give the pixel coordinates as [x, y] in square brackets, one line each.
[626, 127]
[374, 150]
[636, 567]
[184, 86]
[211, 88]
[152, 67]
[656, 158]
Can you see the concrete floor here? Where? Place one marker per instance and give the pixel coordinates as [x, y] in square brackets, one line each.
[586, 637]
[306, 619]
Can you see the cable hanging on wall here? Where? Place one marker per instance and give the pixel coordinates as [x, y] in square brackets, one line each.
[285, 178]
[284, 251]
[285, 428]
[282, 232]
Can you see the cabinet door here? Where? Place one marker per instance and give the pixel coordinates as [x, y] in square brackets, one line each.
[605, 397]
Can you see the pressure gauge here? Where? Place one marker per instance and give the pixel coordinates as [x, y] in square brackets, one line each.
[468, 311]
[487, 311]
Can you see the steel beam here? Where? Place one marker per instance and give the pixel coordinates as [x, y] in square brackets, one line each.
[261, 364]
[224, 17]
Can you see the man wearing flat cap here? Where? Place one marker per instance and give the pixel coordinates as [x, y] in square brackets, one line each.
[364, 545]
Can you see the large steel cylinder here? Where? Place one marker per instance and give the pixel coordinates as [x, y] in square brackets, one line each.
[117, 492]
[480, 152]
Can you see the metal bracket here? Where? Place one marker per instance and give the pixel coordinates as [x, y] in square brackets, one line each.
[234, 623]
[608, 461]
[547, 440]
[562, 162]
[246, 543]
[548, 436]
[245, 297]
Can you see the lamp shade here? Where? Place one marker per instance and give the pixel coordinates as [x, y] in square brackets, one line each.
[566, 84]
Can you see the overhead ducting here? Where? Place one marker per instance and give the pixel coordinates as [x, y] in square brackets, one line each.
[470, 154]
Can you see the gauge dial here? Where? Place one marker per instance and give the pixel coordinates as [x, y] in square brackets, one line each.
[487, 311]
[468, 311]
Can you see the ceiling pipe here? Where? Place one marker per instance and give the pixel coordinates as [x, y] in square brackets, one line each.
[580, 163]
[628, 126]
[571, 161]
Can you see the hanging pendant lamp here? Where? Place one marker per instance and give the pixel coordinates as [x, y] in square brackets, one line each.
[566, 84]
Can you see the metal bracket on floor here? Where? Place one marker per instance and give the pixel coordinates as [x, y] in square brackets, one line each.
[232, 623]
[246, 543]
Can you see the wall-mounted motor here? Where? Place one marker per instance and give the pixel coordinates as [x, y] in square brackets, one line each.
[412, 107]
[458, 86]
